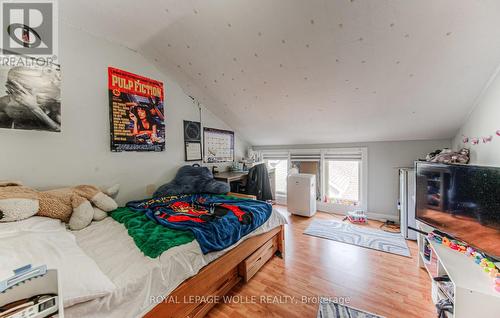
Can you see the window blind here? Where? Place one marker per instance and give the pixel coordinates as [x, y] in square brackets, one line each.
[305, 156]
[274, 155]
[313, 154]
[348, 155]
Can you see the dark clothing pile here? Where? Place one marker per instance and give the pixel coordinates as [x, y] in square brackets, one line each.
[191, 179]
[258, 183]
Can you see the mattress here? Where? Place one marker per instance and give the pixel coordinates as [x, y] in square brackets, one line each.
[141, 281]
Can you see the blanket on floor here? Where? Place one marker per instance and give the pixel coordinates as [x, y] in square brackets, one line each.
[216, 221]
[150, 237]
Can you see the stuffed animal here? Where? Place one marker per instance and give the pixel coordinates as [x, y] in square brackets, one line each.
[77, 206]
[190, 180]
[448, 156]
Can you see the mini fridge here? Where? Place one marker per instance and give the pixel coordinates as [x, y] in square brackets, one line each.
[407, 202]
[301, 194]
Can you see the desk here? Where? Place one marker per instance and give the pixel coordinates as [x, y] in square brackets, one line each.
[231, 176]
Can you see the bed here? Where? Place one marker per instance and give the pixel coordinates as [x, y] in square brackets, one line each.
[181, 282]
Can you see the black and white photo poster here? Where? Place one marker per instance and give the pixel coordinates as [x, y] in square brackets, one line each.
[30, 78]
[31, 98]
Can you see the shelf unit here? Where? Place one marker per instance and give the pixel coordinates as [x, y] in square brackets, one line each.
[472, 290]
[437, 180]
[47, 283]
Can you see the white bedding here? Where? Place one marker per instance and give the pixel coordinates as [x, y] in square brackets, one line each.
[138, 278]
[43, 241]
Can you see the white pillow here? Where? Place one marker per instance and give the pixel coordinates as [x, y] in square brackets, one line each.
[34, 223]
[39, 241]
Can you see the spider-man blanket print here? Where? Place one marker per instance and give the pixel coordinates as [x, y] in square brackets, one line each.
[217, 221]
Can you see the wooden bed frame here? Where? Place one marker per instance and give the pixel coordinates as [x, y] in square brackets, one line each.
[198, 294]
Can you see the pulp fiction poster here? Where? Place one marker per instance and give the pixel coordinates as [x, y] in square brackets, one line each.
[136, 106]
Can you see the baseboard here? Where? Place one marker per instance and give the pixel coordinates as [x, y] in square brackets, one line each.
[280, 199]
[320, 206]
[383, 217]
[373, 216]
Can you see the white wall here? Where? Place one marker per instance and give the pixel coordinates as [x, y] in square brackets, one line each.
[384, 159]
[81, 152]
[484, 121]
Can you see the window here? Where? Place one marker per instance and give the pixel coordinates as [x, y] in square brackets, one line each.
[346, 181]
[279, 161]
[281, 172]
[308, 161]
[342, 182]
[341, 175]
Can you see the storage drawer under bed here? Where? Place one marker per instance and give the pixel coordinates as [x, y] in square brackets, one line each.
[251, 265]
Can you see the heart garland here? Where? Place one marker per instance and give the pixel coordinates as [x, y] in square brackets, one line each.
[476, 140]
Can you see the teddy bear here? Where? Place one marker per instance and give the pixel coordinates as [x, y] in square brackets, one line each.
[77, 206]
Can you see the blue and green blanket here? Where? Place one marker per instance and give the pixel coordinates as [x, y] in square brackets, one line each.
[150, 237]
[215, 221]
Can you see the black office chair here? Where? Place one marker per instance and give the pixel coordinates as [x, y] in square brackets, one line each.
[238, 186]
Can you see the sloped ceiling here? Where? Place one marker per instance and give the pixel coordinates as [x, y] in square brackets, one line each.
[315, 71]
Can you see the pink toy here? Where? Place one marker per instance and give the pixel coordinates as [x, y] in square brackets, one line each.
[498, 132]
[357, 217]
[474, 141]
[487, 139]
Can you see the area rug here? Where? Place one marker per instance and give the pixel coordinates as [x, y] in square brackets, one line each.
[331, 309]
[363, 236]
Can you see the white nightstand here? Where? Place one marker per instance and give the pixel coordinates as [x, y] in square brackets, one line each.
[23, 289]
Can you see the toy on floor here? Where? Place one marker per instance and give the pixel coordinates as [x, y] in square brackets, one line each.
[77, 206]
[357, 216]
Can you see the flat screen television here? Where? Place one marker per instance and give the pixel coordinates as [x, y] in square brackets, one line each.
[462, 201]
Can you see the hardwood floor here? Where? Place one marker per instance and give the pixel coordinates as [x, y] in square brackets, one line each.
[374, 281]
